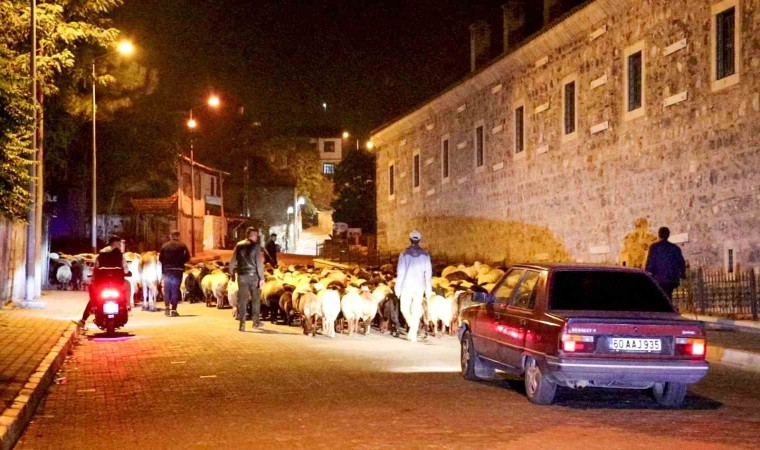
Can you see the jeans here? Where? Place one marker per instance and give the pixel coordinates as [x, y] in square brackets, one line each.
[249, 293]
[172, 280]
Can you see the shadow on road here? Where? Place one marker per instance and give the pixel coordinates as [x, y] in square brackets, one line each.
[105, 337]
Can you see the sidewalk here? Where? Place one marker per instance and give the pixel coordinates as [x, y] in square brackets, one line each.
[33, 346]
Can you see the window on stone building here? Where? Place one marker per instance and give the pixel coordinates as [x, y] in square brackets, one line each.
[724, 40]
[445, 159]
[730, 260]
[416, 170]
[328, 168]
[569, 110]
[391, 180]
[479, 147]
[520, 129]
[328, 146]
[634, 81]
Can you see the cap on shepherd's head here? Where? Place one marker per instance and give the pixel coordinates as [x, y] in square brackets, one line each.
[415, 236]
[113, 238]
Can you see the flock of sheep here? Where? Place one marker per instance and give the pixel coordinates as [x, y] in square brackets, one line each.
[330, 299]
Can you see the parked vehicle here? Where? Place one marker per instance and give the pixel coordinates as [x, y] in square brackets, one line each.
[582, 326]
[109, 289]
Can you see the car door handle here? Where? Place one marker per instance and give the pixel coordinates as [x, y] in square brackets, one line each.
[523, 322]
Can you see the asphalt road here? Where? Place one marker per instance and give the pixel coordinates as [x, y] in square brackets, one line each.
[196, 382]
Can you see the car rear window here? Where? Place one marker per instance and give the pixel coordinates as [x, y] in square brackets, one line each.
[606, 291]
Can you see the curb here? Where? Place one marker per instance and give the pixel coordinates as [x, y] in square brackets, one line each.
[740, 358]
[16, 417]
[749, 326]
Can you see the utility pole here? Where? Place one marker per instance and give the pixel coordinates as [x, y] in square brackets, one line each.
[31, 226]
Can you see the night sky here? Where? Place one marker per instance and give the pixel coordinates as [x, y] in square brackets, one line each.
[369, 60]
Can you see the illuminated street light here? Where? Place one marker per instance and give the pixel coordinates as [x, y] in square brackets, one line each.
[301, 200]
[125, 48]
[213, 101]
[192, 124]
[290, 210]
[346, 135]
[370, 145]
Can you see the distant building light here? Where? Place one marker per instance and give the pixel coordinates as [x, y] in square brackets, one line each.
[328, 168]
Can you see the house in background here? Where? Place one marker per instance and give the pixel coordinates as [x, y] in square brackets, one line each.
[330, 154]
[200, 213]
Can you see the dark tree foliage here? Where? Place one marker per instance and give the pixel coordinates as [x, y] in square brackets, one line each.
[354, 185]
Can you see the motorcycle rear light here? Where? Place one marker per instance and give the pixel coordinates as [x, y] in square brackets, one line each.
[575, 343]
[109, 293]
[691, 346]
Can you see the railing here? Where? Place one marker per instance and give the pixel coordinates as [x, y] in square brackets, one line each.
[720, 293]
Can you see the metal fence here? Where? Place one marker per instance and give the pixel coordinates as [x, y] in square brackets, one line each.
[707, 292]
[715, 292]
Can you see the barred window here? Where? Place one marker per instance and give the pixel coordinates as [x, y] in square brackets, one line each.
[479, 147]
[634, 81]
[725, 47]
[391, 179]
[445, 158]
[519, 129]
[570, 107]
[416, 170]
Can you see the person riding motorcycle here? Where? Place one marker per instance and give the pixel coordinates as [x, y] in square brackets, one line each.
[110, 256]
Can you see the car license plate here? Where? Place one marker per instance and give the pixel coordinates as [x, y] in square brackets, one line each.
[635, 345]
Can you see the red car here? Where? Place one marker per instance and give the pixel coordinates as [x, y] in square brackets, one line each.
[582, 325]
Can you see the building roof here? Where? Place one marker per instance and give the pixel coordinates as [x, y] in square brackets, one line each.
[201, 166]
[154, 205]
[569, 27]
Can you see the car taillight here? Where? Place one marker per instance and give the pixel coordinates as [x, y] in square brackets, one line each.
[576, 343]
[691, 346]
[109, 293]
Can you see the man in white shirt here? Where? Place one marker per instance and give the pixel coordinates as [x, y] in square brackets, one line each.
[413, 281]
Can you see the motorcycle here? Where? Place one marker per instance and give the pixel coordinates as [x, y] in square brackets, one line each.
[112, 310]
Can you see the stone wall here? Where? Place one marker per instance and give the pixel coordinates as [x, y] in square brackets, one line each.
[693, 165]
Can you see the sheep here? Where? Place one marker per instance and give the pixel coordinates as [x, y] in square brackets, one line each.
[232, 296]
[349, 305]
[329, 301]
[270, 297]
[219, 282]
[443, 309]
[63, 274]
[150, 275]
[133, 264]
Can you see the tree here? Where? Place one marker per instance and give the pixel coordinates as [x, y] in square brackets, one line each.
[64, 27]
[354, 184]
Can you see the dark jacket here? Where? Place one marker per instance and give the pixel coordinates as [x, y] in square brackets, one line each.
[270, 255]
[110, 257]
[246, 259]
[666, 264]
[173, 256]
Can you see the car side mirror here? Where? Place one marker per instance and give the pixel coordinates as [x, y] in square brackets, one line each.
[483, 297]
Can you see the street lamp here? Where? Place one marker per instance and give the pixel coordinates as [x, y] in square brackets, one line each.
[125, 48]
[346, 135]
[214, 102]
[370, 145]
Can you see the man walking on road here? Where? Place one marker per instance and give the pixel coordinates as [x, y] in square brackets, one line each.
[247, 265]
[270, 251]
[173, 257]
[665, 262]
[413, 280]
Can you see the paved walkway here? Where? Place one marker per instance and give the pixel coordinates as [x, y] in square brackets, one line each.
[28, 335]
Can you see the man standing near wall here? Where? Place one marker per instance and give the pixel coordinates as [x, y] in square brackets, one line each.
[270, 251]
[173, 257]
[413, 280]
[665, 262]
[248, 265]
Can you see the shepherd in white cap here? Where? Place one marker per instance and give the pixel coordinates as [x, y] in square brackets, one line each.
[413, 280]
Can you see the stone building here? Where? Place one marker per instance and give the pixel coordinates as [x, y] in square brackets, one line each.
[616, 118]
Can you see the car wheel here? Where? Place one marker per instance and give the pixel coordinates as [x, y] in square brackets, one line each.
[473, 368]
[670, 395]
[539, 389]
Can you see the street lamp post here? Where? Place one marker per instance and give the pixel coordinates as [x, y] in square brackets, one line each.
[125, 48]
[214, 102]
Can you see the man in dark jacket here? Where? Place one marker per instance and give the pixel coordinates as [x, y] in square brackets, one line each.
[247, 265]
[665, 262]
[173, 257]
[270, 251]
